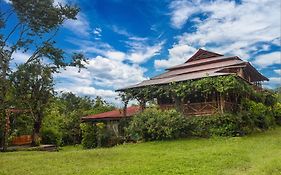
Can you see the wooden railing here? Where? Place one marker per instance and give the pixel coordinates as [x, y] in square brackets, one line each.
[22, 140]
[257, 88]
[204, 108]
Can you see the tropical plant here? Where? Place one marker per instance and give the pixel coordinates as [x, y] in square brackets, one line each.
[155, 124]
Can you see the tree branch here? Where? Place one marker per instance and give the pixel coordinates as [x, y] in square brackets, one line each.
[10, 34]
[33, 56]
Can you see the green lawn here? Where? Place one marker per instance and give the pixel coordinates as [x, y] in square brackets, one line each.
[256, 154]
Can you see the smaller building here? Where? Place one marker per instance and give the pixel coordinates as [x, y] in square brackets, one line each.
[113, 118]
[114, 115]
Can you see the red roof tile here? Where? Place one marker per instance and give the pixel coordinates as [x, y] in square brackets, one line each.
[114, 114]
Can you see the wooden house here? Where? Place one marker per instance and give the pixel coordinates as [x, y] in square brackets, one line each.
[204, 64]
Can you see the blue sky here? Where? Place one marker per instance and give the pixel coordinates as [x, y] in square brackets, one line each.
[128, 41]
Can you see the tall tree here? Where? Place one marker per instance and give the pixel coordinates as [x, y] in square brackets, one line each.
[31, 26]
[33, 84]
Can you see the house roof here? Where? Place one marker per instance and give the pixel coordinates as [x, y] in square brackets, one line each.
[112, 115]
[202, 64]
[203, 54]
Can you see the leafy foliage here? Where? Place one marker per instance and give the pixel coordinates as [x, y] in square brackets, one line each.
[32, 28]
[51, 135]
[220, 125]
[208, 85]
[65, 114]
[277, 113]
[98, 135]
[155, 124]
[33, 84]
[260, 114]
[89, 135]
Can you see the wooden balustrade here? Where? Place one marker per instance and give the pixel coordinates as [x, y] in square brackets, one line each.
[204, 108]
[22, 140]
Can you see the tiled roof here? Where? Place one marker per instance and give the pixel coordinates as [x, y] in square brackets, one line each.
[199, 68]
[202, 64]
[112, 115]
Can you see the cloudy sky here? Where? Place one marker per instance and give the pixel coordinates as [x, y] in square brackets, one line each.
[128, 41]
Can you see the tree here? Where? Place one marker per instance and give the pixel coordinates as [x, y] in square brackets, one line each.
[35, 24]
[66, 111]
[33, 84]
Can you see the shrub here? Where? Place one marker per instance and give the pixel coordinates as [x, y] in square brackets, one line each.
[89, 135]
[155, 124]
[277, 113]
[262, 115]
[97, 135]
[216, 125]
[51, 136]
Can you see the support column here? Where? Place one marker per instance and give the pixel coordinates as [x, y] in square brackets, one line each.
[178, 104]
[6, 130]
[222, 103]
[142, 104]
[125, 108]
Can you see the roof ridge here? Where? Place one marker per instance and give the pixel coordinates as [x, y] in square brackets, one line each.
[207, 60]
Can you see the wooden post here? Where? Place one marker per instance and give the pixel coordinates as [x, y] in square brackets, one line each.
[6, 130]
[142, 104]
[178, 104]
[222, 103]
[125, 108]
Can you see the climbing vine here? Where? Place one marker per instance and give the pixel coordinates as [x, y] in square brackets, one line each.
[220, 84]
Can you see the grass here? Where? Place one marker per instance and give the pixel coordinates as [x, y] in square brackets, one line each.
[255, 154]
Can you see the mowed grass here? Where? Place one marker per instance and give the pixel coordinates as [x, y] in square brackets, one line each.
[255, 154]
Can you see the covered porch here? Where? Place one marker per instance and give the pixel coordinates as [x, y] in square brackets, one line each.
[202, 108]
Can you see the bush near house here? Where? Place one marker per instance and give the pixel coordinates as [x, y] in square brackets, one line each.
[156, 124]
[89, 138]
[98, 135]
[277, 113]
[51, 136]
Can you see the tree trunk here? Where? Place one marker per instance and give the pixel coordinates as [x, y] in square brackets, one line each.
[125, 108]
[36, 129]
[142, 104]
[6, 131]
[4, 64]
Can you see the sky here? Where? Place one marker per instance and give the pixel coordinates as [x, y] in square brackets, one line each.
[128, 41]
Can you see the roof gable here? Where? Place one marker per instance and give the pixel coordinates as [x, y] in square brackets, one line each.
[202, 54]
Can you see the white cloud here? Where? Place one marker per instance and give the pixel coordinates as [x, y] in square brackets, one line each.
[56, 2]
[110, 73]
[121, 31]
[278, 71]
[231, 28]
[71, 75]
[7, 1]
[177, 54]
[181, 11]
[20, 57]
[80, 26]
[140, 52]
[268, 59]
[115, 55]
[100, 78]
[89, 91]
[97, 32]
[273, 82]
